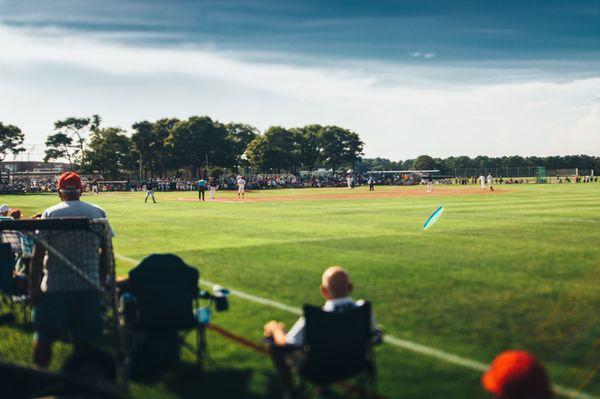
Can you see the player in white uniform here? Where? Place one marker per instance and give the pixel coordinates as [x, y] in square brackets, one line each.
[490, 180]
[482, 180]
[241, 183]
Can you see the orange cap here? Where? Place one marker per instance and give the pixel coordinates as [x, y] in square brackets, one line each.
[69, 181]
[516, 374]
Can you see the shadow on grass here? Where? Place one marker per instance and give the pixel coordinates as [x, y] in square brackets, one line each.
[187, 382]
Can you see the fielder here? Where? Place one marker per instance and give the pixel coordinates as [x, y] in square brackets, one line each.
[241, 183]
[482, 180]
[490, 180]
[371, 183]
[429, 184]
[149, 192]
[95, 187]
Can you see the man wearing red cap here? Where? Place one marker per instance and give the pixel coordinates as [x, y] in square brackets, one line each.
[63, 302]
[517, 375]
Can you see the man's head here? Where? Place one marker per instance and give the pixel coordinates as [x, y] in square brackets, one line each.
[15, 214]
[517, 375]
[335, 283]
[69, 186]
[4, 209]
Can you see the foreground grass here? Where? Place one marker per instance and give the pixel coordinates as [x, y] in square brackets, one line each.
[517, 269]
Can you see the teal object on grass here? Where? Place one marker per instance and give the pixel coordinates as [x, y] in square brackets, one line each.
[433, 218]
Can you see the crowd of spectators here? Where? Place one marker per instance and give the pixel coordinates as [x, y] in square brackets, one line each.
[267, 181]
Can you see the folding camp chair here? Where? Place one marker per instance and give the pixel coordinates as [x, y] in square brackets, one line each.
[339, 346]
[12, 291]
[163, 292]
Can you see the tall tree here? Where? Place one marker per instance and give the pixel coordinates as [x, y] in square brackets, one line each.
[199, 140]
[276, 151]
[110, 152]
[423, 162]
[340, 146]
[308, 139]
[69, 139]
[11, 139]
[240, 135]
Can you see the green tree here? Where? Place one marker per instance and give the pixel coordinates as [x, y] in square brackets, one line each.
[240, 135]
[69, 139]
[199, 140]
[276, 151]
[309, 148]
[424, 162]
[110, 152]
[339, 147]
[11, 139]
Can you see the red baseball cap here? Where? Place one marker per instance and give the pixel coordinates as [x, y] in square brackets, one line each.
[69, 181]
[516, 374]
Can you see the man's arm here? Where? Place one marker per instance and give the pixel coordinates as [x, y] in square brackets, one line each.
[275, 330]
[36, 271]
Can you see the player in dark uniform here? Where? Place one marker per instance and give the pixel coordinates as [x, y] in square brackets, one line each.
[371, 183]
[150, 186]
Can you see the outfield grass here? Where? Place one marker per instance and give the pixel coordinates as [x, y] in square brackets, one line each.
[514, 269]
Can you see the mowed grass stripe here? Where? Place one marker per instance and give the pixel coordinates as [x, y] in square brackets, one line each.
[389, 339]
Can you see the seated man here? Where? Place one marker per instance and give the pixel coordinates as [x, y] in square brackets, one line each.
[335, 288]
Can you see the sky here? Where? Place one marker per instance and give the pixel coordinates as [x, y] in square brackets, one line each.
[415, 77]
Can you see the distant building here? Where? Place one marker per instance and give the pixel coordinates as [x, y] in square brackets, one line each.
[29, 168]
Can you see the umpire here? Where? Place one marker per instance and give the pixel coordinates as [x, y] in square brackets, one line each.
[201, 189]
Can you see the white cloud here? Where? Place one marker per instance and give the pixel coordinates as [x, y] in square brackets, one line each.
[43, 79]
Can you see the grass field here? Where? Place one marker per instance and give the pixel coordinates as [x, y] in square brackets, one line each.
[518, 268]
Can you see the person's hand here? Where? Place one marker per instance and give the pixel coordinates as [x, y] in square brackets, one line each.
[272, 327]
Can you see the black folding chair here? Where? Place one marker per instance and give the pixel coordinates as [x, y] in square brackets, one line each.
[164, 291]
[12, 293]
[339, 346]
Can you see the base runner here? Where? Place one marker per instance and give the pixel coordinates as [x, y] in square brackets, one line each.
[482, 180]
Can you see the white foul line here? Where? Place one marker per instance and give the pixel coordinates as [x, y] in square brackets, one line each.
[388, 339]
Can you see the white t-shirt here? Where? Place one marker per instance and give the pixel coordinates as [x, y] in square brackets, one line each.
[490, 179]
[241, 182]
[482, 179]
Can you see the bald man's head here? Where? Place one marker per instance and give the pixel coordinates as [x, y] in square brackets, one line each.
[335, 283]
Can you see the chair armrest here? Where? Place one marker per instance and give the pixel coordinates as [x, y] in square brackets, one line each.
[377, 337]
[268, 341]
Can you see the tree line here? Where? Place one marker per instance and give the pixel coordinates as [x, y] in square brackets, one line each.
[452, 165]
[200, 145]
[190, 147]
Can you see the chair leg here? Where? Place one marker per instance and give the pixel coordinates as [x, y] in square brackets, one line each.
[200, 348]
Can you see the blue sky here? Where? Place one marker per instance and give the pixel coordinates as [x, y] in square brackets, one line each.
[412, 77]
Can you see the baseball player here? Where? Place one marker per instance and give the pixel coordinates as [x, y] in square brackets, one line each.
[241, 183]
[212, 185]
[490, 180]
[150, 192]
[482, 180]
[371, 183]
[95, 187]
[429, 183]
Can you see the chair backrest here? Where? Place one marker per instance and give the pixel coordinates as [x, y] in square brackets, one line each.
[337, 342]
[165, 289]
[7, 266]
